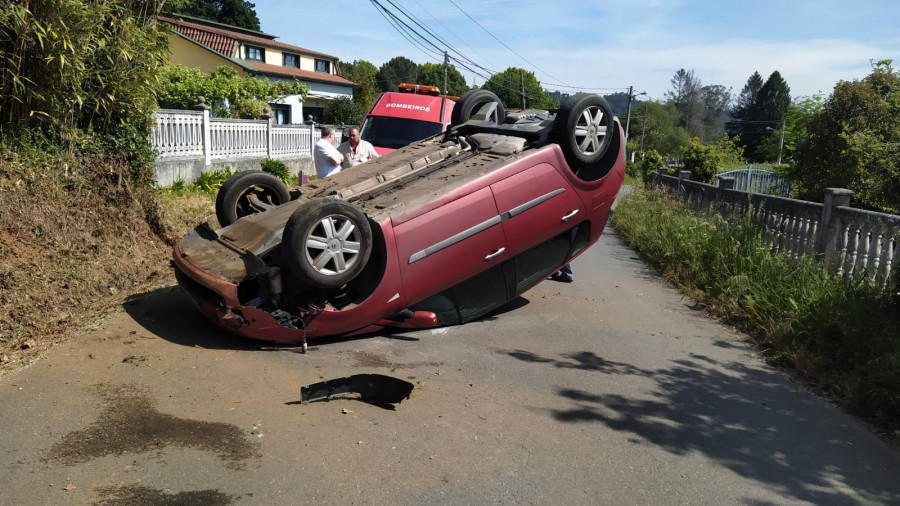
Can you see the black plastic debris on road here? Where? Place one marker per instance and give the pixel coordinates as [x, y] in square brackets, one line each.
[376, 389]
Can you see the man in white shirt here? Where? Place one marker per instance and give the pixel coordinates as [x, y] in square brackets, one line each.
[326, 157]
[356, 150]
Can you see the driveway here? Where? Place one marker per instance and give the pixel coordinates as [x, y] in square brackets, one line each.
[609, 390]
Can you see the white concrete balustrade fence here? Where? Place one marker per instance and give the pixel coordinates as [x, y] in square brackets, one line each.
[189, 143]
[850, 242]
[178, 133]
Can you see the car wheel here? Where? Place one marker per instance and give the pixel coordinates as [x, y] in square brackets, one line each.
[584, 129]
[478, 104]
[327, 242]
[249, 192]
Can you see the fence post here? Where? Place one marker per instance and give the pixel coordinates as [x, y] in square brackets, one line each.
[268, 117]
[657, 177]
[827, 231]
[723, 183]
[683, 175]
[207, 138]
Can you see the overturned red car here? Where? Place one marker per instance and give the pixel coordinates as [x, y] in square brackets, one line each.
[439, 232]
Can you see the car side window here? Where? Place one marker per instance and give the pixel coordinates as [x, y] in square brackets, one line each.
[537, 263]
[487, 291]
[471, 299]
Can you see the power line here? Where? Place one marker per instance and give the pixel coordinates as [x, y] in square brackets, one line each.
[451, 32]
[422, 37]
[406, 28]
[446, 44]
[409, 33]
[507, 47]
[390, 19]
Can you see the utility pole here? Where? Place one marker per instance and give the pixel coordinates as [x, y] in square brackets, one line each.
[522, 86]
[446, 64]
[628, 114]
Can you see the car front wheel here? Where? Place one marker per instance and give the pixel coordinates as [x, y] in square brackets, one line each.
[327, 242]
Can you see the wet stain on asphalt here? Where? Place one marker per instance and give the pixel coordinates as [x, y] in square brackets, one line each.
[366, 359]
[145, 496]
[130, 423]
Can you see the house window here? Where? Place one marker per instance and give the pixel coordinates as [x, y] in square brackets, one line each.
[255, 53]
[290, 60]
[323, 66]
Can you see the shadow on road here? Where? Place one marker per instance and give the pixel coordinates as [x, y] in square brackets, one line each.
[171, 315]
[748, 420]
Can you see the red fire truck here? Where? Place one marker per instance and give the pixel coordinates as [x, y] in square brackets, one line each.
[411, 114]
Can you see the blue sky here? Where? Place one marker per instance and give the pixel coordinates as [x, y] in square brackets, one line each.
[608, 46]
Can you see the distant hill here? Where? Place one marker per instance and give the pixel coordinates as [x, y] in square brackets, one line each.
[619, 103]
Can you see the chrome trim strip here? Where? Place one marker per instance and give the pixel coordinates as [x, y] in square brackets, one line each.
[465, 234]
[531, 203]
[450, 241]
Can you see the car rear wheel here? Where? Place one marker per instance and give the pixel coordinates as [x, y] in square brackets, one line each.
[249, 192]
[327, 243]
[584, 129]
[478, 105]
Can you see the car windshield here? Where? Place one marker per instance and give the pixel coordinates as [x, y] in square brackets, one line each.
[394, 133]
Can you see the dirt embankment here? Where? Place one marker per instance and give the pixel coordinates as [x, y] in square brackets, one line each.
[75, 240]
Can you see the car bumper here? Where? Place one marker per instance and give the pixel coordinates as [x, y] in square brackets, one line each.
[217, 300]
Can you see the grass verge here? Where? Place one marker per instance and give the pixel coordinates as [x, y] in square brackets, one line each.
[841, 335]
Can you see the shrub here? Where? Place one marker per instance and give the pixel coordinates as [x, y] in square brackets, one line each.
[277, 168]
[210, 182]
[247, 96]
[343, 111]
[705, 161]
[651, 162]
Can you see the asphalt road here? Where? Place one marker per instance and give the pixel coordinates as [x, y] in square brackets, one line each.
[610, 390]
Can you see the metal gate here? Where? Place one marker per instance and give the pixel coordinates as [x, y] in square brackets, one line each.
[758, 180]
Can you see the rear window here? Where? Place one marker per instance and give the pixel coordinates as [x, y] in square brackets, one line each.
[394, 133]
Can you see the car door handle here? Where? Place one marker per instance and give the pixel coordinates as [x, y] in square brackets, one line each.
[495, 253]
[569, 215]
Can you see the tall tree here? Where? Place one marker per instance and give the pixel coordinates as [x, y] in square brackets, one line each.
[746, 100]
[432, 74]
[364, 74]
[238, 13]
[774, 97]
[687, 96]
[759, 113]
[854, 142]
[655, 127]
[398, 69]
[715, 99]
[508, 85]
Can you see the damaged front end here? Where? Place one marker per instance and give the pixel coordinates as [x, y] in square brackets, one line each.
[237, 291]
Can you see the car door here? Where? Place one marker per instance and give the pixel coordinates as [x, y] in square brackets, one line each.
[449, 244]
[535, 205]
